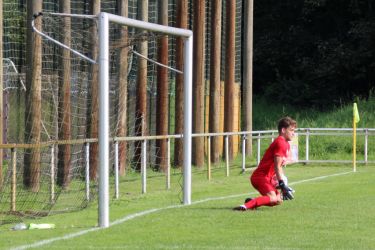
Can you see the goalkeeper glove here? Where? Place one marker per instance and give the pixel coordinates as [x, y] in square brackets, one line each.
[287, 191]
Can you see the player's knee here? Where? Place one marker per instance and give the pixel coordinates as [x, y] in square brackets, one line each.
[277, 199]
[274, 198]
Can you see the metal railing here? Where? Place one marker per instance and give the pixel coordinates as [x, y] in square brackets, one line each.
[255, 135]
[244, 135]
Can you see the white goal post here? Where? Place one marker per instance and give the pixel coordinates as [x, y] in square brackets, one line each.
[104, 19]
[103, 61]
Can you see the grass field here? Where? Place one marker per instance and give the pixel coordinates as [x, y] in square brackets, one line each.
[333, 209]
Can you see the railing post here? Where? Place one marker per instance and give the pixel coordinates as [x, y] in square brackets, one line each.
[307, 144]
[227, 154]
[209, 158]
[258, 151]
[366, 144]
[52, 179]
[87, 170]
[243, 153]
[14, 180]
[143, 166]
[116, 171]
[168, 163]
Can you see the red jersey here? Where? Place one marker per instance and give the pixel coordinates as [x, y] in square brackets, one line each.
[266, 168]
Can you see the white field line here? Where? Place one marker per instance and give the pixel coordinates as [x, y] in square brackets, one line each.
[140, 214]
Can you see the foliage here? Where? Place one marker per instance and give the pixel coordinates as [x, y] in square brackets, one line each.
[14, 22]
[315, 52]
[266, 114]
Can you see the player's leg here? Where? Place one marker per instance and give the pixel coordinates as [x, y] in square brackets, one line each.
[269, 195]
[270, 199]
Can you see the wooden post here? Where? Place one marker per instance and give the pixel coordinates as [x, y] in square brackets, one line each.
[248, 74]
[123, 89]
[181, 22]
[1, 94]
[215, 64]
[94, 109]
[229, 72]
[64, 151]
[162, 120]
[141, 109]
[33, 115]
[198, 82]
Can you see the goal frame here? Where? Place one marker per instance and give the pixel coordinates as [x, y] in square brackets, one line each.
[104, 20]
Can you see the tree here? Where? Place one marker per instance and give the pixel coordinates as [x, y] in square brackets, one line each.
[198, 82]
[141, 106]
[162, 90]
[123, 88]
[64, 153]
[94, 107]
[229, 72]
[31, 174]
[215, 83]
[1, 95]
[181, 22]
[313, 49]
[248, 73]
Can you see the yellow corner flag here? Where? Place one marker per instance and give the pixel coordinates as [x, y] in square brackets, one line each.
[355, 121]
[355, 113]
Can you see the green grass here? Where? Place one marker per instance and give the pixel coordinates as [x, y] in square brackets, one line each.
[266, 115]
[330, 213]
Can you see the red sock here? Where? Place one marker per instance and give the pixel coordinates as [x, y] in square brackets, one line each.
[259, 201]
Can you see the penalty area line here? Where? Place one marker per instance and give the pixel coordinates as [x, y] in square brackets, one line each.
[146, 212]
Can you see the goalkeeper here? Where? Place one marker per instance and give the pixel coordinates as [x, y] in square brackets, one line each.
[269, 167]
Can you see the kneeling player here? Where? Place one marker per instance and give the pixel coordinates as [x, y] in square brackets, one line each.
[270, 166]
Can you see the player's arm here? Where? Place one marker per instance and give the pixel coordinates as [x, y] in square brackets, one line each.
[278, 161]
[287, 191]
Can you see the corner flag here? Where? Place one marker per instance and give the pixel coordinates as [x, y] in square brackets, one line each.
[355, 121]
[355, 113]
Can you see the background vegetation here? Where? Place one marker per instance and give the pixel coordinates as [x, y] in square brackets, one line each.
[314, 53]
[266, 114]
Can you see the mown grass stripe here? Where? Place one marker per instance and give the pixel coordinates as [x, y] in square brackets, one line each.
[150, 211]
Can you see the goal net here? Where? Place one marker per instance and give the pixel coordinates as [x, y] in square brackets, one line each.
[73, 125]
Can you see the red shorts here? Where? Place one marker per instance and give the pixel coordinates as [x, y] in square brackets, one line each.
[263, 184]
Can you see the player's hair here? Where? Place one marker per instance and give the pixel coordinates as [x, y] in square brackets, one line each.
[286, 122]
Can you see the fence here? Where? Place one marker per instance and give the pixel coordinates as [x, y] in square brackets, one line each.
[306, 137]
[256, 136]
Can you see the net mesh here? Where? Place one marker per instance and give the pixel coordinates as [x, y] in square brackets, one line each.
[72, 195]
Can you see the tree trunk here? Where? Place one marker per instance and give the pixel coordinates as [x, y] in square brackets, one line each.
[198, 82]
[1, 94]
[181, 22]
[94, 109]
[215, 64]
[123, 89]
[248, 74]
[64, 153]
[229, 72]
[162, 89]
[141, 108]
[33, 115]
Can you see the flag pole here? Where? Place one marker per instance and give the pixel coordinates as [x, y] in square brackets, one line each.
[354, 144]
[355, 121]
